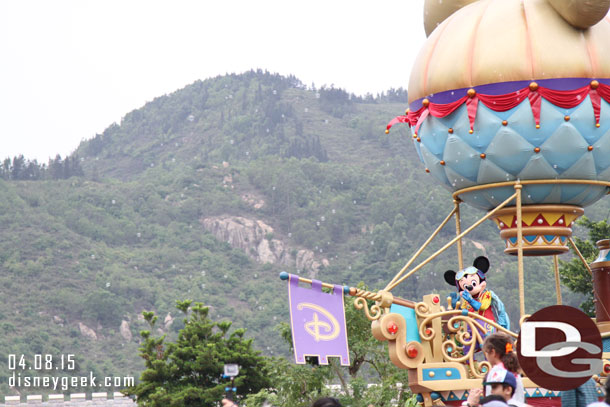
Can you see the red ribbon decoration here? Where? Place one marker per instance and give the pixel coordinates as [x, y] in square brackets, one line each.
[421, 120]
[535, 103]
[502, 103]
[471, 106]
[439, 110]
[596, 103]
[604, 92]
[566, 99]
[397, 119]
[413, 116]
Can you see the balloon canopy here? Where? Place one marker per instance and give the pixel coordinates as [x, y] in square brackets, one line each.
[507, 90]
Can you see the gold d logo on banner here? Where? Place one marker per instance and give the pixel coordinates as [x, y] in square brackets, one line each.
[313, 327]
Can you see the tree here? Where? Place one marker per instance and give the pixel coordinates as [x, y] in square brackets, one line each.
[189, 371]
[573, 273]
[18, 167]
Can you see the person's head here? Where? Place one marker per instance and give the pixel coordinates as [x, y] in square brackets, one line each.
[502, 382]
[493, 401]
[326, 402]
[498, 347]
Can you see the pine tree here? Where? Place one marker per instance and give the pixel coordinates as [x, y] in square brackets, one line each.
[189, 371]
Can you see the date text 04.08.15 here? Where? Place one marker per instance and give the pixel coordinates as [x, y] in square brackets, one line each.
[41, 362]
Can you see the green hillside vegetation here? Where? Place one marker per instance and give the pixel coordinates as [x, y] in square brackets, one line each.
[121, 231]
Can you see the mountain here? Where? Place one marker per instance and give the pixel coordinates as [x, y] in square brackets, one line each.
[208, 193]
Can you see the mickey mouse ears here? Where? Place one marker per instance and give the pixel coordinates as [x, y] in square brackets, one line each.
[481, 264]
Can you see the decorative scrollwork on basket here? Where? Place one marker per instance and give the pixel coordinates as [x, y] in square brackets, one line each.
[426, 332]
[465, 333]
[422, 309]
[375, 310]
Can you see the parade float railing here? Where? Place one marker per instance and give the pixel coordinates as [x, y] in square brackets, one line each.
[439, 349]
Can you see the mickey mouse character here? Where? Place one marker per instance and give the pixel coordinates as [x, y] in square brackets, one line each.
[473, 293]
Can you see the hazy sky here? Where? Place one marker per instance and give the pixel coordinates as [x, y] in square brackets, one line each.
[70, 68]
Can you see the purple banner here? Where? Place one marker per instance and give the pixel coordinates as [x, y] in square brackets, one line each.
[318, 322]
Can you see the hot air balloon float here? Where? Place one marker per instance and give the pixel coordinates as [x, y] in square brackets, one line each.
[509, 109]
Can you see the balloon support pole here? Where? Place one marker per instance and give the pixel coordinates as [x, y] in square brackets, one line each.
[557, 282]
[458, 230]
[518, 189]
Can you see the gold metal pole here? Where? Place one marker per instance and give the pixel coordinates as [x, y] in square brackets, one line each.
[368, 295]
[581, 256]
[455, 239]
[458, 230]
[421, 249]
[518, 188]
[557, 285]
